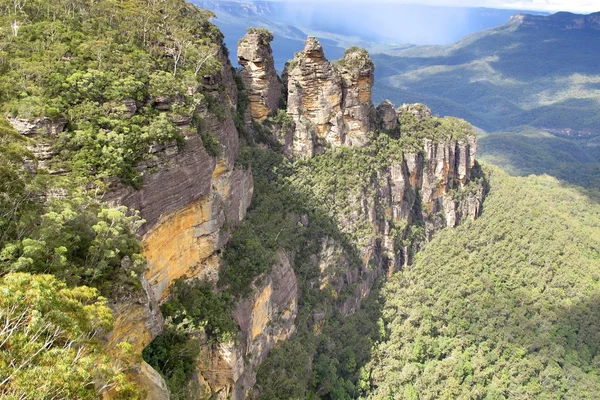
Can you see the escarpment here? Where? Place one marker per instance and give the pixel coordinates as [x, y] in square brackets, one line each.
[407, 175]
[190, 200]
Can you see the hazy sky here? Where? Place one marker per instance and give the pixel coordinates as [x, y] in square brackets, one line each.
[582, 6]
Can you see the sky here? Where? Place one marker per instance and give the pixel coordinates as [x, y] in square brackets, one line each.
[576, 6]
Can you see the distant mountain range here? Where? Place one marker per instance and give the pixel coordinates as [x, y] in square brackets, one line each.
[377, 26]
[534, 82]
[542, 71]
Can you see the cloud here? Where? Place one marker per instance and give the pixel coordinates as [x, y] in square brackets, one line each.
[578, 6]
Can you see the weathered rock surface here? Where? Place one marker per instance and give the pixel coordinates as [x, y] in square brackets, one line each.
[329, 103]
[386, 115]
[190, 200]
[44, 131]
[40, 126]
[188, 196]
[357, 71]
[264, 318]
[258, 74]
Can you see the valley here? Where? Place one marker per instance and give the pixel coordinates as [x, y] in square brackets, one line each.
[175, 225]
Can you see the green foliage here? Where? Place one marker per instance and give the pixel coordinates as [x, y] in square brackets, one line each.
[264, 33]
[174, 353]
[192, 310]
[211, 143]
[81, 59]
[268, 226]
[193, 305]
[435, 128]
[282, 121]
[338, 180]
[243, 102]
[505, 306]
[355, 58]
[81, 241]
[18, 192]
[326, 364]
[48, 347]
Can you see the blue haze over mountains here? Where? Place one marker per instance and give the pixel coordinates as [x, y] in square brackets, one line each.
[378, 27]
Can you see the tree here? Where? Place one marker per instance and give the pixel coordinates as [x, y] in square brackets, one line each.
[49, 345]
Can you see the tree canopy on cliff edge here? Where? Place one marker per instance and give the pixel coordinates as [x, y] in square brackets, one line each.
[76, 62]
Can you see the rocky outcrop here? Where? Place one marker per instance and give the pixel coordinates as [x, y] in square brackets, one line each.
[45, 131]
[329, 103]
[386, 116]
[265, 318]
[431, 188]
[420, 111]
[258, 74]
[38, 126]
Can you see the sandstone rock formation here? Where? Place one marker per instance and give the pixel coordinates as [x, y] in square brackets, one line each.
[357, 71]
[386, 116]
[44, 131]
[265, 318]
[258, 74]
[329, 103]
[187, 199]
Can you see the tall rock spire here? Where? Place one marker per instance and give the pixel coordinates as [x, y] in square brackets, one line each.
[258, 74]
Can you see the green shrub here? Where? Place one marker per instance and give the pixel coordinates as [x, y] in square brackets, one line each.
[211, 144]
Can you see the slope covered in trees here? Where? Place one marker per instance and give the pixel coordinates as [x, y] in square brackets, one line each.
[83, 79]
[506, 306]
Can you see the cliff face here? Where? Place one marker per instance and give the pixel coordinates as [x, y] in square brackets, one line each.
[330, 104]
[192, 200]
[258, 74]
[265, 318]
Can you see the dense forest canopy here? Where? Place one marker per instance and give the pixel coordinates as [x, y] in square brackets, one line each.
[75, 62]
[502, 307]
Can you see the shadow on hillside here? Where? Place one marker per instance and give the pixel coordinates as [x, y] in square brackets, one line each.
[329, 346]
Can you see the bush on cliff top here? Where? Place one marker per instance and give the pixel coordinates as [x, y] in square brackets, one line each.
[49, 346]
